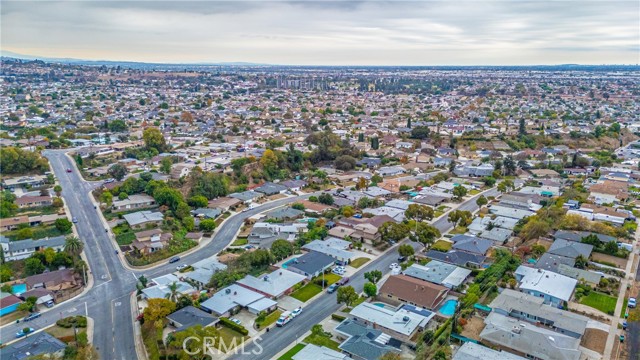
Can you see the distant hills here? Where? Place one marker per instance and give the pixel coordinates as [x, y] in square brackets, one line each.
[134, 64]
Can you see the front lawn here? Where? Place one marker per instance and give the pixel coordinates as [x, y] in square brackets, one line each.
[229, 337]
[126, 238]
[322, 341]
[624, 307]
[458, 230]
[269, 319]
[356, 263]
[602, 302]
[294, 350]
[306, 292]
[240, 242]
[441, 245]
[12, 317]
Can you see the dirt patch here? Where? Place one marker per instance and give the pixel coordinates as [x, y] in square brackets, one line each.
[473, 328]
[594, 339]
[275, 197]
[619, 262]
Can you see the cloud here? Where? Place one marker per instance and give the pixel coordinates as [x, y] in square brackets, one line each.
[328, 32]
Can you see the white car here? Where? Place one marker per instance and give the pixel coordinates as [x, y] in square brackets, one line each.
[296, 311]
[235, 321]
[632, 303]
[181, 267]
[394, 266]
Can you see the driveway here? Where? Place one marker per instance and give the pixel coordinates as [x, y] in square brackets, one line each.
[288, 303]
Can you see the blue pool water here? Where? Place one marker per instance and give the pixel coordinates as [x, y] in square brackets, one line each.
[448, 308]
[286, 263]
[380, 305]
[19, 288]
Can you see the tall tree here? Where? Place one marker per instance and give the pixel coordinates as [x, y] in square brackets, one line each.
[73, 246]
[153, 139]
[117, 171]
[346, 295]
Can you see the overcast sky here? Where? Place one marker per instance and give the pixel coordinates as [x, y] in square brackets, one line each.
[518, 32]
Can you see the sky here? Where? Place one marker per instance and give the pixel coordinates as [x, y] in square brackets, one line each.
[428, 32]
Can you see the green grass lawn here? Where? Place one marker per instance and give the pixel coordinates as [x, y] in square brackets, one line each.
[441, 245]
[227, 337]
[356, 263]
[624, 307]
[330, 278]
[306, 292]
[294, 350]
[602, 302]
[270, 319]
[474, 192]
[322, 341]
[240, 242]
[126, 238]
[458, 230]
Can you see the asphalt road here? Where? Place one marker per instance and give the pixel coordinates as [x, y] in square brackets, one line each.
[108, 301]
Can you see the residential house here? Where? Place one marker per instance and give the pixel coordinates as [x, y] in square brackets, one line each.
[142, 219]
[471, 244]
[225, 203]
[190, 316]
[235, 297]
[270, 188]
[440, 273]
[40, 345]
[311, 264]
[30, 181]
[263, 234]
[472, 351]
[8, 303]
[294, 185]
[54, 280]
[364, 342]
[333, 247]
[533, 342]
[203, 270]
[403, 289]
[22, 249]
[150, 241]
[12, 223]
[456, 257]
[247, 197]
[284, 213]
[554, 288]
[390, 171]
[133, 202]
[33, 201]
[274, 285]
[315, 352]
[401, 324]
[160, 288]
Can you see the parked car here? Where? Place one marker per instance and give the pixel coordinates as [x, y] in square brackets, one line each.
[68, 170]
[402, 259]
[394, 266]
[181, 267]
[32, 316]
[174, 259]
[296, 311]
[343, 281]
[339, 270]
[235, 321]
[632, 303]
[332, 288]
[49, 304]
[22, 332]
[74, 220]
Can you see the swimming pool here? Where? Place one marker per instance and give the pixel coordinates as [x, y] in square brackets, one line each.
[448, 308]
[19, 288]
[286, 263]
[380, 305]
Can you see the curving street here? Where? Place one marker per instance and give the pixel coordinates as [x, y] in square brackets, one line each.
[108, 300]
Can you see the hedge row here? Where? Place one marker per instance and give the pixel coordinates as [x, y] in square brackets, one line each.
[68, 322]
[233, 326]
[337, 317]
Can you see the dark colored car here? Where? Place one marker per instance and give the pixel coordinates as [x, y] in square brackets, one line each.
[68, 170]
[174, 259]
[343, 281]
[332, 288]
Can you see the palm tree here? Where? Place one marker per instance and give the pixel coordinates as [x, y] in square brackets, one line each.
[173, 292]
[73, 246]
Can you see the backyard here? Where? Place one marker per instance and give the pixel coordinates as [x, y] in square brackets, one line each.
[441, 245]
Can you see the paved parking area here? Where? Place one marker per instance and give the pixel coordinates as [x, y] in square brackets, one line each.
[247, 319]
[288, 303]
